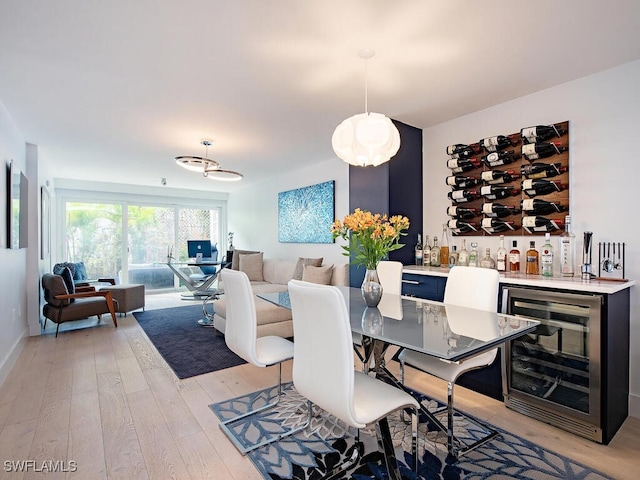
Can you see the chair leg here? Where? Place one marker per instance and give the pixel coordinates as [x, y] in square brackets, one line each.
[57, 327]
[226, 424]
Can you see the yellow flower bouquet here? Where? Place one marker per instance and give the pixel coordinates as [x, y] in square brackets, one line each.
[371, 236]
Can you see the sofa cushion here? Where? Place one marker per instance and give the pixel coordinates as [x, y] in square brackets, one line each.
[235, 260]
[297, 273]
[67, 277]
[321, 275]
[251, 264]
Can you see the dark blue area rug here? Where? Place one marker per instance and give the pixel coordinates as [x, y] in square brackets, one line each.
[327, 442]
[187, 347]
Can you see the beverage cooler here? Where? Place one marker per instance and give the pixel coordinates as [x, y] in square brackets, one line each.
[562, 373]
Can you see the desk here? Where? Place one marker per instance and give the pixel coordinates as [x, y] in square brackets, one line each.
[448, 332]
[197, 287]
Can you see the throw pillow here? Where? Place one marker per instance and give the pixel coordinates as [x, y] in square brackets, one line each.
[251, 264]
[321, 275]
[297, 272]
[67, 276]
[59, 267]
[80, 271]
[235, 261]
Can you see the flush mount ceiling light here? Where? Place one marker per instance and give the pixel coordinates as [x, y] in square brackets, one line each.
[367, 138]
[209, 168]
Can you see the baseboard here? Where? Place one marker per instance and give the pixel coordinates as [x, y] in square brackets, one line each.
[10, 359]
[634, 405]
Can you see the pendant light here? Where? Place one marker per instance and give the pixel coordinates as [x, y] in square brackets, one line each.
[367, 138]
[209, 168]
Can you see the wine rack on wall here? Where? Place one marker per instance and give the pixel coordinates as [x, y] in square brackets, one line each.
[480, 162]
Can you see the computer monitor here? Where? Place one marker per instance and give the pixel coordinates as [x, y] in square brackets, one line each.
[199, 246]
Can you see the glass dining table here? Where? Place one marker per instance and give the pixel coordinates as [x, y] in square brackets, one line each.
[451, 333]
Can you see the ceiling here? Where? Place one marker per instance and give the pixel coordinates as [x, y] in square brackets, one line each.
[114, 90]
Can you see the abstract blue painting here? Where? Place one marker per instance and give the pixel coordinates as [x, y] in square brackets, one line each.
[305, 214]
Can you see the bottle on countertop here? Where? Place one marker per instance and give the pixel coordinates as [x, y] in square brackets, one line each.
[535, 151]
[435, 253]
[418, 250]
[487, 261]
[463, 255]
[501, 256]
[444, 245]
[426, 252]
[540, 133]
[567, 249]
[533, 262]
[546, 257]
[453, 257]
[514, 257]
[473, 255]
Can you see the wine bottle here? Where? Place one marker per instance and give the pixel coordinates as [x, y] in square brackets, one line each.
[496, 159]
[546, 257]
[540, 186]
[514, 258]
[494, 177]
[535, 151]
[487, 261]
[495, 225]
[462, 213]
[497, 143]
[461, 181]
[537, 206]
[497, 210]
[459, 165]
[542, 170]
[540, 133]
[538, 223]
[462, 196]
[501, 256]
[462, 226]
[532, 256]
[493, 192]
[418, 250]
[567, 249]
[460, 150]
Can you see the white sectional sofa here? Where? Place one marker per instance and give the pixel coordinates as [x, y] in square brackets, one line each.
[276, 273]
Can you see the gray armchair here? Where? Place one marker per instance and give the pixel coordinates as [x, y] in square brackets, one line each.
[63, 306]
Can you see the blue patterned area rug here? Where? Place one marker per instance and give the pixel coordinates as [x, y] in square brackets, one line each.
[327, 442]
[188, 348]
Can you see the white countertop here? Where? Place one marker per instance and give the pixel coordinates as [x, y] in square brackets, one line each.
[562, 283]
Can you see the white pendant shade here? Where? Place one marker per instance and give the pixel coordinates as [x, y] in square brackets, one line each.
[366, 139]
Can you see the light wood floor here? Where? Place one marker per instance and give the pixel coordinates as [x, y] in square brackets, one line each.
[105, 399]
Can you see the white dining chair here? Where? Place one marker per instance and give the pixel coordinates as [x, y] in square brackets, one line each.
[241, 337]
[468, 287]
[323, 368]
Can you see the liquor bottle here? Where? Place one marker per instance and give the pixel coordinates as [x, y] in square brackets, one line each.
[462, 196]
[459, 165]
[540, 224]
[461, 181]
[514, 257]
[463, 255]
[497, 210]
[535, 151]
[496, 159]
[462, 213]
[418, 250]
[444, 245]
[495, 225]
[537, 206]
[426, 252]
[497, 143]
[453, 257]
[501, 256]
[473, 255]
[463, 226]
[540, 133]
[542, 170]
[435, 253]
[487, 261]
[532, 267]
[493, 192]
[546, 257]
[540, 186]
[494, 177]
[567, 248]
[460, 150]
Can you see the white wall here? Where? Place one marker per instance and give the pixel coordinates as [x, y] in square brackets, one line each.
[604, 115]
[13, 289]
[253, 212]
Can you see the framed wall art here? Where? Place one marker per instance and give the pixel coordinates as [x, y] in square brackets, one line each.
[305, 214]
